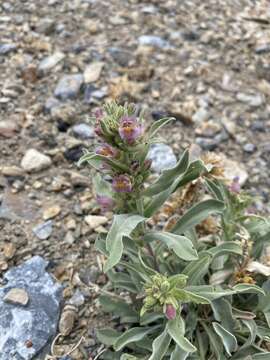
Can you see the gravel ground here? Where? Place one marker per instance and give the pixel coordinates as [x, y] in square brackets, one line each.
[205, 62]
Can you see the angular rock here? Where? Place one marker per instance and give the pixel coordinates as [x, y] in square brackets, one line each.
[67, 320]
[83, 131]
[51, 212]
[43, 231]
[34, 161]
[69, 86]
[252, 100]
[95, 221]
[50, 61]
[162, 157]
[35, 323]
[154, 41]
[7, 48]
[92, 72]
[16, 296]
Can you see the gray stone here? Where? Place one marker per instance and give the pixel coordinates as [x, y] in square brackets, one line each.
[51, 103]
[7, 48]
[253, 100]
[43, 231]
[120, 56]
[50, 61]
[153, 40]
[206, 143]
[37, 321]
[249, 148]
[69, 86]
[83, 131]
[162, 157]
[77, 299]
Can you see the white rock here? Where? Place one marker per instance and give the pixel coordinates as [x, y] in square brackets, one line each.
[92, 72]
[33, 161]
[95, 221]
[201, 115]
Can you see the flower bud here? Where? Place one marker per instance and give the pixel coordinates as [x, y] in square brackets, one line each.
[165, 286]
[235, 186]
[129, 129]
[122, 184]
[170, 312]
[106, 203]
[147, 164]
[107, 150]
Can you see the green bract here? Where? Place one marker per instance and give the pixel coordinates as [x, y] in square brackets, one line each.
[179, 294]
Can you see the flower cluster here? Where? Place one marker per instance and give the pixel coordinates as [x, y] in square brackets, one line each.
[122, 142]
[163, 293]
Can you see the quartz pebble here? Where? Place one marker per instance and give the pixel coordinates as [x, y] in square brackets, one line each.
[34, 160]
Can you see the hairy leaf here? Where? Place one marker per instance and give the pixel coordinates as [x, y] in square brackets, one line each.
[167, 177]
[132, 335]
[122, 226]
[176, 329]
[228, 339]
[181, 245]
[196, 214]
[179, 354]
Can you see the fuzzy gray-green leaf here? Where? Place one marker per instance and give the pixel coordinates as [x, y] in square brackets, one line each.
[122, 226]
[160, 346]
[228, 339]
[196, 214]
[180, 245]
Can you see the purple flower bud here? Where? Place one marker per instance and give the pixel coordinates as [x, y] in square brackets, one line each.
[235, 186]
[147, 164]
[106, 203]
[129, 130]
[107, 150]
[122, 184]
[98, 114]
[170, 312]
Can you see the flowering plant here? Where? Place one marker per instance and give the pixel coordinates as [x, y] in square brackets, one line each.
[197, 288]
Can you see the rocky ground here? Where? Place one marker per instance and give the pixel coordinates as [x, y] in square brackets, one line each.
[204, 62]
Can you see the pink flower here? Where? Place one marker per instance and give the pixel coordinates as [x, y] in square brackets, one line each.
[170, 312]
[122, 184]
[106, 203]
[235, 186]
[129, 130]
[107, 150]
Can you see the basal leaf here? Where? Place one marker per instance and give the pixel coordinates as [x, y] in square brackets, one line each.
[160, 346]
[119, 308]
[196, 214]
[180, 245]
[107, 336]
[176, 329]
[132, 335]
[179, 354]
[228, 339]
[122, 226]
